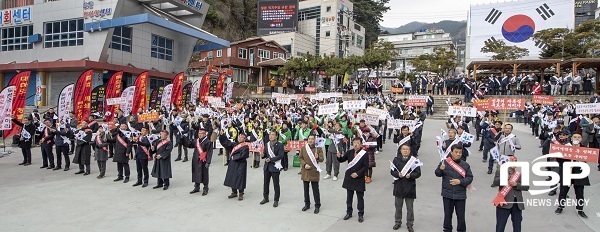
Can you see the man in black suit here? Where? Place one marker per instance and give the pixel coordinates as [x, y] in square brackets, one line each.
[273, 152]
[46, 143]
[201, 160]
[25, 144]
[354, 178]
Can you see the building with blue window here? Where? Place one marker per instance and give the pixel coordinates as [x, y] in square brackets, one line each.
[59, 39]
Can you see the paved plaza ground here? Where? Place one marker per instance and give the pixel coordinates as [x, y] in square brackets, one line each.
[34, 199]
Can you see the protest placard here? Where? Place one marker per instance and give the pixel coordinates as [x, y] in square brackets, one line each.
[328, 109]
[355, 105]
[462, 111]
[370, 119]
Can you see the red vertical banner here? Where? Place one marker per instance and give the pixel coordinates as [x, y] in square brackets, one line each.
[177, 92]
[220, 83]
[113, 90]
[20, 81]
[139, 97]
[83, 96]
[204, 87]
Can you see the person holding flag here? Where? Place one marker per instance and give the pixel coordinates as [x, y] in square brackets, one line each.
[142, 156]
[509, 201]
[27, 128]
[46, 144]
[405, 169]
[83, 152]
[122, 149]
[237, 168]
[100, 146]
[455, 181]
[162, 149]
[273, 154]
[201, 159]
[354, 178]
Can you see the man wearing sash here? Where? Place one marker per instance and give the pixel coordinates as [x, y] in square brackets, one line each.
[310, 157]
[273, 153]
[237, 168]
[181, 132]
[455, 180]
[354, 178]
[46, 144]
[507, 198]
[83, 151]
[404, 138]
[232, 135]
[25, 143]
[162, 149]
[452, 140]
[100, 146]
[142, 156]
[578, 184]
[93, 125]
[201, 161]
[122, 149]
[337, 147]
[62, 143]
[405, 186]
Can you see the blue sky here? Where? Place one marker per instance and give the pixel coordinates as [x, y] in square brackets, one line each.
[405, 11]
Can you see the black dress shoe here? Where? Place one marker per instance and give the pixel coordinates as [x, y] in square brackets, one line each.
[126, 180]
[158, 186]
[145, 185]
[137, 184]
[306, 207]
[558, 211]
[552, 193]
[50, 167]
[185, 160]
[100, 177]
[397, 226]
[195, 190]
[582, 214]
[316, 210]
[489, 172]
[348, 216]
[275, 204]
[85, 174]
[118, 179]
[204, 192]
[27, 164]
[66, 169]
[79, 172]
[22, 163]
[178, 159]
[42, 167]
[56, 168]
[360, 218]
[264, 201]
[165, 187]
[493, 185]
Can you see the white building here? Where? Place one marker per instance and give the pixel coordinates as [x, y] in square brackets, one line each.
[412, 45]
[58, 39]
[325, 27]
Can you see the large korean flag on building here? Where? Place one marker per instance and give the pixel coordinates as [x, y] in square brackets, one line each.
[515, 23]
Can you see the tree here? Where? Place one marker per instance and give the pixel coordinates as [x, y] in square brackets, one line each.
[369, 14]
[378, 55]
[562, 43]
[503, 51]
[441, 61]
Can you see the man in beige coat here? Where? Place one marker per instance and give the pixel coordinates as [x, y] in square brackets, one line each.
[310, 157]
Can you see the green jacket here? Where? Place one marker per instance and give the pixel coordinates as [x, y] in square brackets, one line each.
[284, 137]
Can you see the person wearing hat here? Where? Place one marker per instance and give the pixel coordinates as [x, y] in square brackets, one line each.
[201, 160]
[142, 156]
[161, 170]
[578, 184]
[237, 168]
[83, 152]
[25, 144]
[122, 151]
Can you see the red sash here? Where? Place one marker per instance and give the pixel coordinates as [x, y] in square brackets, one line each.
[145, 149]
[494, 131]
[201, 152]
[99, 142]
[501, 197]
[121, 141]
[239, 146]
[458, 169]
[162, 143]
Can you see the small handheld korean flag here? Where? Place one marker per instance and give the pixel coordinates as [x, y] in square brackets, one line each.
[393, 168]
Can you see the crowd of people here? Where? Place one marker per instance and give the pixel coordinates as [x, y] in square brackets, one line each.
[264, 129]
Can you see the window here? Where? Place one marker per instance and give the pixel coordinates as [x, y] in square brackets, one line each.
[359, 40]
[219, 53]
[264, 54]
[15, 38]
[242, 53]
[426, 50]
[353, 35]
[121, 39]
[240, 75]
[63, 33]
[161, 48]
[209, 55]
[228, 52]
[327, 33]
[328, 9]
[357, 27]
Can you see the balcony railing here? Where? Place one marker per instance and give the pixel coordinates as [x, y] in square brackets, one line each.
[7, 4]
